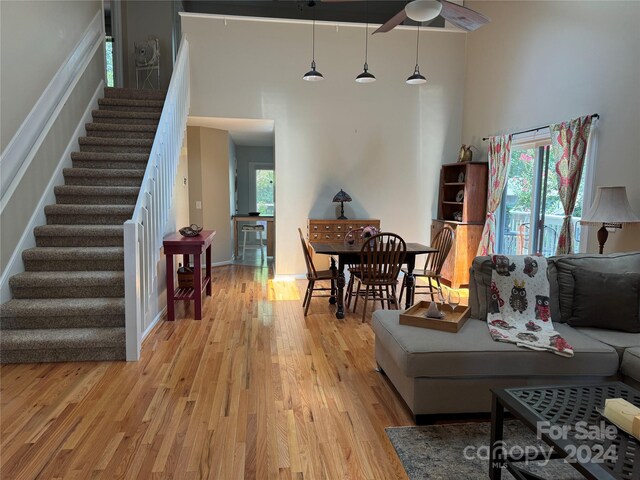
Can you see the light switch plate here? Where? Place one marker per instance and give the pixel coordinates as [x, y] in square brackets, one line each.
[198, 205]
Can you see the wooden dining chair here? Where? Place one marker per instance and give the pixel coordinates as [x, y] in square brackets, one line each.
[356, 237]
[314, 276]
[381, 259]
[433, 265]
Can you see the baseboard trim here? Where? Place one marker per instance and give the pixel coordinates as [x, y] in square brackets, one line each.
[289, 278]
[220, 264]
[151, 326]
[27, 240]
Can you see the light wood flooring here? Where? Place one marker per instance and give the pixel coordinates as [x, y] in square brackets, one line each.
[254, 390]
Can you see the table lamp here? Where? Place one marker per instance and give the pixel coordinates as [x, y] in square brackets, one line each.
[610, 209]
[341, 197]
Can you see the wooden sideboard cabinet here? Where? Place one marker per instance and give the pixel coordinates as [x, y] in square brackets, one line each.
[329, 231]
[455, 271]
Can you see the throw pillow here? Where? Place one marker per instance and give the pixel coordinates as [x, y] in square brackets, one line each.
[606, 300]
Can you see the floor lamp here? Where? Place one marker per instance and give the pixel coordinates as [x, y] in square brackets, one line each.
[610, 209]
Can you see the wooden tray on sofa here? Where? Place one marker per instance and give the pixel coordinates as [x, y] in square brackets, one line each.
[452, 322]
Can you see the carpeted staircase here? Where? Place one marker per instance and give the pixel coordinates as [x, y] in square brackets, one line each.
[69, 303]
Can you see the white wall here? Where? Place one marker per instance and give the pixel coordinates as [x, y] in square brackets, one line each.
[520, 76]
[383, 143]
[35, 38]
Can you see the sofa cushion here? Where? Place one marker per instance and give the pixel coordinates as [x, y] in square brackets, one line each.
[421, 352]
[631, 363]
[618, 340]
[563, 267]
[479, 287]
[605, 300]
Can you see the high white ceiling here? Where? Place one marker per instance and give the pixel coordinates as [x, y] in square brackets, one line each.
[248, 132]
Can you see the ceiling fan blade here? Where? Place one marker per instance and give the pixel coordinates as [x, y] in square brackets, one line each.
[462, 17]
[393, 22]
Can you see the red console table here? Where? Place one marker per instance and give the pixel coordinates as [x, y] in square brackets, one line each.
[176, 244]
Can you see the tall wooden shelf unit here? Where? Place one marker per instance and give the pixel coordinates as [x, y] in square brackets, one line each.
[471, 180]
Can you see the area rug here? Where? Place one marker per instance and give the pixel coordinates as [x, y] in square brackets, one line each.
[460, 451]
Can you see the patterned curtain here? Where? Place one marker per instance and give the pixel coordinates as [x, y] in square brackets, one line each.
[569, 143]
[499, 155]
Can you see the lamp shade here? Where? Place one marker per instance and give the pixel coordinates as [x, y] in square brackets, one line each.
[341, 196]
[610, 206]
[423, 10]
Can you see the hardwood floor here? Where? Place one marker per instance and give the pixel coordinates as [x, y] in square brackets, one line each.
[254, 390]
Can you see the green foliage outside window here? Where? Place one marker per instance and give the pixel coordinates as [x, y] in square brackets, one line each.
[265, 200]
[108, 46]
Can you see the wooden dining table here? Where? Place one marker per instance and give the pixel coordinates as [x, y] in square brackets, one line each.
[350, 255]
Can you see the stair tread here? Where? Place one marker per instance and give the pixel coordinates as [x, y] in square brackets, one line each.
[95, 190]
[73, 253]
[119, 127]
[125, 114]
[70, 208]
[110, 156]
[79, 230]
[103, 172]
[130, 102]
[116, 92]
[67, 278]
[57, 307]
[121, 142]
[61, 338]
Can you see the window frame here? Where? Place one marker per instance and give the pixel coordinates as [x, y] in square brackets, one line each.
[541, 141]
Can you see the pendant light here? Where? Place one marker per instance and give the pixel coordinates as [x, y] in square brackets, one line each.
[417, 78]
[365, 76]
[313, 75]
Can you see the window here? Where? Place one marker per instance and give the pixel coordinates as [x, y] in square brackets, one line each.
[265, 197]
[531, 214]
[108, 52]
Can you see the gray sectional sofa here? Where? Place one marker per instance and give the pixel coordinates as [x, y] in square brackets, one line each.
[447, 373]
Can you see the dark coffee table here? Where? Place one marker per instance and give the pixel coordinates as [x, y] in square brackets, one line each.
[567, 418]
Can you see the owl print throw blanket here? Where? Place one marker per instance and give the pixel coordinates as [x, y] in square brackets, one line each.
[519, 309]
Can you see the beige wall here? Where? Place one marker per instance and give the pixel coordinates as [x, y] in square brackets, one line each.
[23, 202]
[208, 151]
[142, 19]
[35, 38]
[519, 76]
[383, 143]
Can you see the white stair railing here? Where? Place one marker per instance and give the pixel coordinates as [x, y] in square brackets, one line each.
[143, 234]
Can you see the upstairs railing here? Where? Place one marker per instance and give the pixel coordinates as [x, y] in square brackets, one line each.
[151, 219]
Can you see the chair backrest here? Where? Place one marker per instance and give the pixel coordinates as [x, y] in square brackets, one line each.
[443, 242]
[381, 258]
[311, 269]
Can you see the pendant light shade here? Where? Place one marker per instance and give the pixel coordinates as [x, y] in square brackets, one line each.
[313, 75]
[417, 78]
[423, 10]
[366, 76]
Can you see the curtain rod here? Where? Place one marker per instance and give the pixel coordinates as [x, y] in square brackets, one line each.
[595, 115]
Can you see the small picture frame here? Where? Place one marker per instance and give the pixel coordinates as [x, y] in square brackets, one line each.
[460, 196]
[461, 177]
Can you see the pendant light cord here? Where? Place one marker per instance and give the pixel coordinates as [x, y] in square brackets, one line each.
[417, 44]
[366, 33]
[313, 41]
